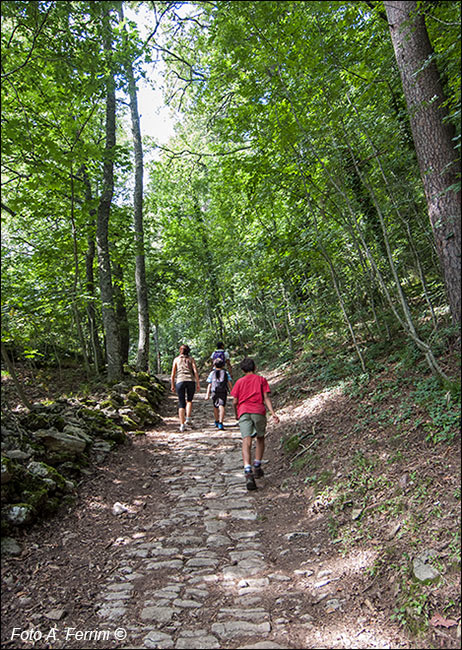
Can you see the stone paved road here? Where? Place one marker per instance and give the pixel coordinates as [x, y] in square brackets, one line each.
[196, 578]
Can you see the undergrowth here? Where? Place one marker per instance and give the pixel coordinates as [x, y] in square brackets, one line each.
[393, 482]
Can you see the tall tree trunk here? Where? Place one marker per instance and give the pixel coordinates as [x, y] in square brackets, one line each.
[287, 315]
[433, 137]
[114, 360]
[142, 361]
[158, 357]
[214, 294]
[75, 306]
[121, 311]
[95, 344]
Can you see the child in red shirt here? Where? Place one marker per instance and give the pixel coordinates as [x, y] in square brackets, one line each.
[251, 400]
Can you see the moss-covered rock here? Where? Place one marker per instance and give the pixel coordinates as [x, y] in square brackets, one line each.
[116, 398]
[46, 449]
[36, 420]
[133, 397]
[61, 444]
[111, 403]
[37, 498]
[7, 470]
[44, 417]
[35, 485]
[46, 472]
[146, 414]
[129, 424]
[141, 391]
[74, 468]
[143, 378]
[18, 514]
[115, 433]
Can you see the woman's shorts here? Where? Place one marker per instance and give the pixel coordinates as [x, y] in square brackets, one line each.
[252, 424]
[219, 399]
[185, 391]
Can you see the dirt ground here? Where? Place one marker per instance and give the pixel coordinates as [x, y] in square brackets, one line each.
[65, 559]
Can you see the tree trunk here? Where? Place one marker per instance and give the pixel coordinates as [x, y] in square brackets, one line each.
[114, 362]
[433, 138]
[95, 344]
[214, 294]
[121, 311]
[75, 306]
[158, 357]
[142, 361]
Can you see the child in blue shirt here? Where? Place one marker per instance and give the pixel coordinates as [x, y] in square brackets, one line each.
[219, 385]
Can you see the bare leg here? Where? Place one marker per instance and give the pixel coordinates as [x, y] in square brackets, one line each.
[188, 409]
[246, 450]
[259, 448]
[181, 414]
[221, 410]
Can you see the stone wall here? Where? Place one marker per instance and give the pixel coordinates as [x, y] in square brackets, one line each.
[48, 450]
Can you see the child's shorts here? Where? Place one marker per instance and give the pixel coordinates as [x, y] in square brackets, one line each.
[219, 399]
[252, 424]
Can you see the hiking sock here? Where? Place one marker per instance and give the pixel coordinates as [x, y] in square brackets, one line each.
[247, 469]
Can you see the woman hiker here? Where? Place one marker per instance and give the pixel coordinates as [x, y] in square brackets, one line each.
[185, 382]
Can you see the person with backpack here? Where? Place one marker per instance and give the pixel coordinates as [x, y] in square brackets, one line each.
[219, 384]
[184, 381]
[221, 353]
[251, 401]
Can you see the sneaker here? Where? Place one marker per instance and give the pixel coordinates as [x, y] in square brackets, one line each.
[216, 423]
[189, 422]
[250, 481]
[258, 471]
[220, 426]
[182, 428]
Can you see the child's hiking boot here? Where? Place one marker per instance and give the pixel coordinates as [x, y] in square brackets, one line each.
[258, 471]
[220, 426]
[250, 481]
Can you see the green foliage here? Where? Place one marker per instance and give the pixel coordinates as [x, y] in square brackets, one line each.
[443, 411]
[268, 218]
[413, 604]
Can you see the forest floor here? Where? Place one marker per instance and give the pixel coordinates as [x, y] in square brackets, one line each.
[320, 556]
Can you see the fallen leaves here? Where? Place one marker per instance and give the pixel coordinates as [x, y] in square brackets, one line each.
[439, 621]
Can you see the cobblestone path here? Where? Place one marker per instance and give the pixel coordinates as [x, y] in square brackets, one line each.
[195, 578]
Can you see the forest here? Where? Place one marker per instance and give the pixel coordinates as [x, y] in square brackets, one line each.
[303, 199]
[305, 210]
